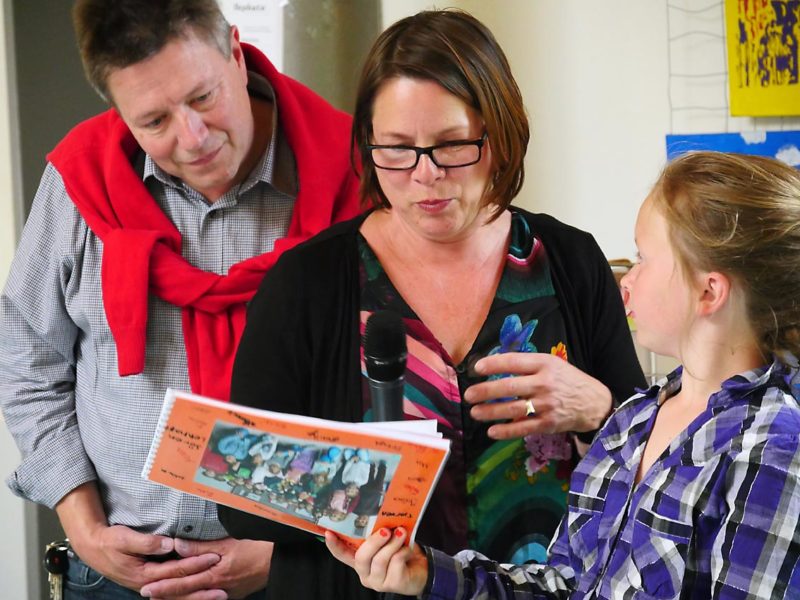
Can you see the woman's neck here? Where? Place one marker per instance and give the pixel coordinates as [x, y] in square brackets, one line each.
[473, 248]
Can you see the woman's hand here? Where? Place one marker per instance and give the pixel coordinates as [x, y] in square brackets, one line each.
[564, 397]
[383, 563]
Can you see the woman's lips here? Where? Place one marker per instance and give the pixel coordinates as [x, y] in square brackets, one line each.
[434, 204]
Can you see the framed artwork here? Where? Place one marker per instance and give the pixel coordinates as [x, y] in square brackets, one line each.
[762, 39]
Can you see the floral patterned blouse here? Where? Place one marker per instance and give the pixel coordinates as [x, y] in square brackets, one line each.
[502, 498]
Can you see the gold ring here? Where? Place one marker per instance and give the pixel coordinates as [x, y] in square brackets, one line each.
[529, 409]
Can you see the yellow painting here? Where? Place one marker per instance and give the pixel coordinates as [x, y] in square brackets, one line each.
[763, 57]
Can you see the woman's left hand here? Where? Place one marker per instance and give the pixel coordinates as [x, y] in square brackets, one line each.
[383, 563]
[564, 397]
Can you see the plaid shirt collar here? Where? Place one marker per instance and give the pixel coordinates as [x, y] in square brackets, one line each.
[623, 440]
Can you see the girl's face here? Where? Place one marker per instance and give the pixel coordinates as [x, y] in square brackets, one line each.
[657, 294]
[440, 204]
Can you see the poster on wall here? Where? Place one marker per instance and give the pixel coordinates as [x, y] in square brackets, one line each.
[783, 145]
[762, 40]
[260, 23]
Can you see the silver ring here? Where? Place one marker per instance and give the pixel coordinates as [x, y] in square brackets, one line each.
[529, 409]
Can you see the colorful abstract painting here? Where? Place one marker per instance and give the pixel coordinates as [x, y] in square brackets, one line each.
[783, 145]
[763, 57]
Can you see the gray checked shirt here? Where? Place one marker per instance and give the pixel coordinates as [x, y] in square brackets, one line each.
[73, 417]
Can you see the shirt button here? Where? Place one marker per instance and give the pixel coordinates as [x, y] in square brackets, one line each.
[188, 529]
[461, 368]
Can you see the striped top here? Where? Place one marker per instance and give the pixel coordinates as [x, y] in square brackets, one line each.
[503, 497]
[716, 516]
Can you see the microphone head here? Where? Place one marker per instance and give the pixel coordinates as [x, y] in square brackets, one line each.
[385, 346]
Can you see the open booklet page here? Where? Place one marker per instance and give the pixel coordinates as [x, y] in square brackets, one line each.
[309, 473]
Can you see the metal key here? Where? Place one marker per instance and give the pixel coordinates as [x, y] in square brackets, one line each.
[55, 561]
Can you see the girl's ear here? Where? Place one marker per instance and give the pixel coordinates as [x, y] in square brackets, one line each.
[715, 289]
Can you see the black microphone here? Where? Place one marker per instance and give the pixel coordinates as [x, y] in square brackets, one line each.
[385, 355]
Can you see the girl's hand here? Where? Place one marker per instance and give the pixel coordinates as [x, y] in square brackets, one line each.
[383, 563]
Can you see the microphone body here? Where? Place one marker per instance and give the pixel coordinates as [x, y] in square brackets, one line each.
[385, 357]
[387, 399]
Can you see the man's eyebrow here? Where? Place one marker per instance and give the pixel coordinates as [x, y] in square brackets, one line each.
[195, 91]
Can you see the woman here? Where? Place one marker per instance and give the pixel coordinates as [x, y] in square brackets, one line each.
[486, 291]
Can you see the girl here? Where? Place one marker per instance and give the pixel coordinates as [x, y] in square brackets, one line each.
[691, 488]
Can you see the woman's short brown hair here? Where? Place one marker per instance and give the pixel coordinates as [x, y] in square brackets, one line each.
[454, 49]
[740, 215]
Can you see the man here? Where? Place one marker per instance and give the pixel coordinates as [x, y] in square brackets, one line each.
[152, 227]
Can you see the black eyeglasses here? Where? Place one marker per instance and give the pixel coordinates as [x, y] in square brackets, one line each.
[451, 155]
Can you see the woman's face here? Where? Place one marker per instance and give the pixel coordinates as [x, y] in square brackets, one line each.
[440, 204]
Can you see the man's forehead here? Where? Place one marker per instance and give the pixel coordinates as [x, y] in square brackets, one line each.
[182, 67]
[186, 37]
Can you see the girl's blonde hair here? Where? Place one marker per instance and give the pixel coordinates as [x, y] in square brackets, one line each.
[740, 215]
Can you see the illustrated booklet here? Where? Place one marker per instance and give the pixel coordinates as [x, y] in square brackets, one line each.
[314, 474]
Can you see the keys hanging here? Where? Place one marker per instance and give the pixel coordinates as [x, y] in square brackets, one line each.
[56, 562]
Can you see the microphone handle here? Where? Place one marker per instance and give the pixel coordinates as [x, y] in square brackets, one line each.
[387, 399]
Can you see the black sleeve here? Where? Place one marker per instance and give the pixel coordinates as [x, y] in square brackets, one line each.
[613, 358]
[601, 341]
[299, 353]
[267, 374]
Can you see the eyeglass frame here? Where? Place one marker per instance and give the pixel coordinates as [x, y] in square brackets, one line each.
[428, 151]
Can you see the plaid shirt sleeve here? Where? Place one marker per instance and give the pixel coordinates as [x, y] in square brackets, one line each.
[470, 575]
[756, 551]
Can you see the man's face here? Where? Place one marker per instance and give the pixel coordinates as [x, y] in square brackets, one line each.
[188, 108]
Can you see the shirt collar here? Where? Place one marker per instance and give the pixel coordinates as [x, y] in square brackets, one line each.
[622, 436]
[737, 386]
[744, 384]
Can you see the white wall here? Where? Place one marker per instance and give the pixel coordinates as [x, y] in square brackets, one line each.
[7, 211]
[12, 515]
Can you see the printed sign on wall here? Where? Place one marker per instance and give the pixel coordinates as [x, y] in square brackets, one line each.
[260, 23]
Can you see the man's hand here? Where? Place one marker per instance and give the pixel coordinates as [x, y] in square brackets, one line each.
[242, 568]
[122, 555]
[118, 552]
[564, 397]
[216, 570]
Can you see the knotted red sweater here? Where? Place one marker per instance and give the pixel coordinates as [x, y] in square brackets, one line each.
[142, 247]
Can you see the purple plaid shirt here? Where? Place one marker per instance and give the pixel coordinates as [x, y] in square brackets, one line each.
[715, 517]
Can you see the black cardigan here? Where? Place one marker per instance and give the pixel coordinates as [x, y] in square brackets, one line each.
[300, 354]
